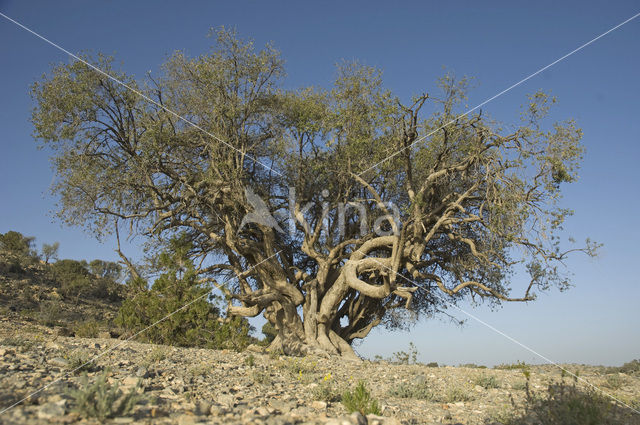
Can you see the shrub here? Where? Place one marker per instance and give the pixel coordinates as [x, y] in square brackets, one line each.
[49, 313]
[432, 364]
[487, 382]
[326, 391]
[102, 400]
[359, 400]
[615, 382]
[455, 394]
[568, 405]
[406, 357]
[87, 329]
[182, 309]
[420, 391]
[79, 361]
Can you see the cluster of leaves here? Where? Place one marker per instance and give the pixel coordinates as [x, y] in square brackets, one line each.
[182, 309]
[102, 400]
[360, 400]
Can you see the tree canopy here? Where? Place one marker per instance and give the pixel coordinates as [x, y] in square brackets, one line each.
[330, 211]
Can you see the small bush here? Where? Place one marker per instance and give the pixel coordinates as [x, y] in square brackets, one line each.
[87, 329]
[420, 391]
[406, 357]
[102, 400]
[50, 313]
[359, 400]
[615, 382]
[456, 394]
[432, 364]
[79, 361]
[250, 360]
[198, 325]
[260, 377]
[487, 382]
[326, 390]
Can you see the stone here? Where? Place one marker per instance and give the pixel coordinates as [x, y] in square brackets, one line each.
[357, 418]
[58, 361]
[319, 405]
[142, 372]
[52, 410]
[104, 335]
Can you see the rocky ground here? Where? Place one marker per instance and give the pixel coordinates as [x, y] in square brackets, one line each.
[187, 386]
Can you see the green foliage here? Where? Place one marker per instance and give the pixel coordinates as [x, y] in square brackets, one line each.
[18, 244]
[432, 364]
[106, 269]
[269, 332]
[50, 252]
[250, 360]
[359, 400]
[101, 400]
[169, 177]
[181, 308]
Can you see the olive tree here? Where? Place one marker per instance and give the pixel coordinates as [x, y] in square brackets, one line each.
[328, 211]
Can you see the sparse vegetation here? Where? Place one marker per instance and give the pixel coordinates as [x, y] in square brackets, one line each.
[455, 394]
[360, 400]
[487, 381]
[327, 390]
[87, 329]
[568, 405]
[416, 390]
[79, 361]
[101, 400]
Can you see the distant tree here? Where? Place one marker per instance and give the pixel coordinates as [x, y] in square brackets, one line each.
[17, 243]
[50, 252]
[261, 188]
[106, 269]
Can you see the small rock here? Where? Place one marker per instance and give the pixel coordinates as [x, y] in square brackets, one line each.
[104, 335]
[203, 408]
[58, 361]
[319, 405]
[142, 372]
[226, 400]
[52, 410]
[122, 420]
[357, 419]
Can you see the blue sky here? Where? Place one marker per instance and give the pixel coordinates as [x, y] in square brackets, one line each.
[498, 43]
